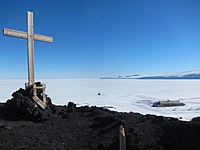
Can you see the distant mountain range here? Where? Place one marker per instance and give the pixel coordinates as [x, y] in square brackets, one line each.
[195, 74]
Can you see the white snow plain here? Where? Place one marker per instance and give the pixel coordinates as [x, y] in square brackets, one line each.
[123, 95]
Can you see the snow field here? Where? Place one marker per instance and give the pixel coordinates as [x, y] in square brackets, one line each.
[119, 95]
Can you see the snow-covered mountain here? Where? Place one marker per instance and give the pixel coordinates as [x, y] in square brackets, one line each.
[195, 74]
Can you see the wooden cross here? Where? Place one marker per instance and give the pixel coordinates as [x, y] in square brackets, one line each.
[30, 36]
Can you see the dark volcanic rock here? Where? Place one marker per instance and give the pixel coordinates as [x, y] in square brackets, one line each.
[24, 126]
[22, 107]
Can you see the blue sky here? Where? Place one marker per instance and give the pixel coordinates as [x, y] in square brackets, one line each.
[97, 38]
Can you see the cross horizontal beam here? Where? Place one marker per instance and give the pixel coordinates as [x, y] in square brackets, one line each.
[21, 34]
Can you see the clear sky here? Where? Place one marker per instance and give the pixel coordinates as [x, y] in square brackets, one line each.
[98, 38]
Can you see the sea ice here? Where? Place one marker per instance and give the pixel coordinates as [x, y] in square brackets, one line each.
[119, 95]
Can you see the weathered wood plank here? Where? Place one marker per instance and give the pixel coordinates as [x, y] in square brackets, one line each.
[21, 34]
[30, 48]
[14, 33]
[43, 38]
[122, 138]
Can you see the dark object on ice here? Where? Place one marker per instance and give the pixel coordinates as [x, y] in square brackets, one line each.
[99, 93]
[167, 103]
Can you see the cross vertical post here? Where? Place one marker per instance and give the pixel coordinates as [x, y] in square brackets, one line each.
[30, 36]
